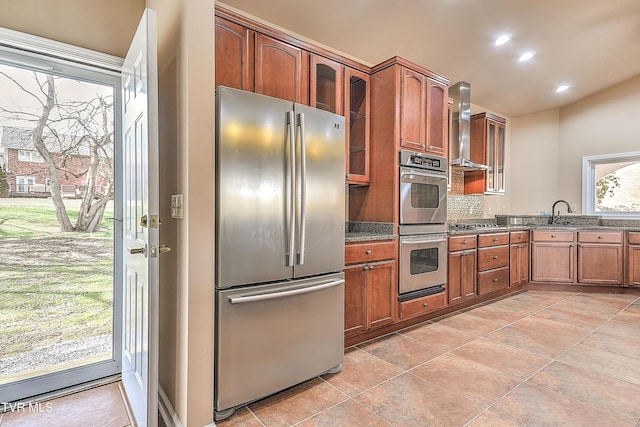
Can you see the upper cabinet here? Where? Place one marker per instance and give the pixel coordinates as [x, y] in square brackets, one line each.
[423, 112]
[234, 55]
[357, 89]
[281, 70]
[487, 147]
[326, 84]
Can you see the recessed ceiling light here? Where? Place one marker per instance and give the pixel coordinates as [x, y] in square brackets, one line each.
[562, 88]
[526, 56]
[504, 38]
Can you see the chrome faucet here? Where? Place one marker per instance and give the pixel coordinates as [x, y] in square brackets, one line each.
[554, 217]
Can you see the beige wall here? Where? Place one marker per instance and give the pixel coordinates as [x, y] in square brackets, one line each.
[104, 26]
[533, 175]
[185, 45]
[547, 148]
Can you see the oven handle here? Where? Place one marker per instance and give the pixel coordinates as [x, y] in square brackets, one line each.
[422, 240]
[420, 173]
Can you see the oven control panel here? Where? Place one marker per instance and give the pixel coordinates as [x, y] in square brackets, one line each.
[423, 161]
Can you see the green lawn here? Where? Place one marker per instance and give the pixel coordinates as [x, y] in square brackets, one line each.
[54, 286]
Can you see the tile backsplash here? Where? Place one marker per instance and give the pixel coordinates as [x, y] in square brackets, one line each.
[464, 206]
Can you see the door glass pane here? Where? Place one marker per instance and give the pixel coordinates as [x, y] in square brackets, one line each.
[423, 261]
[326, 88]
[499, 185]
[491, 156]
[57, 263]
[357, 125]
[425, 196]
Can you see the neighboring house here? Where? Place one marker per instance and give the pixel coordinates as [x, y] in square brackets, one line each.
[27, 172]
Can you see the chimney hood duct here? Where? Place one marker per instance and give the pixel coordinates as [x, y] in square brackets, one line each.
[461, 128]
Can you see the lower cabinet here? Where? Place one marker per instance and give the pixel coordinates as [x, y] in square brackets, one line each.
[519, 258]
[633, 259]
[552, 256]
[583, 257]
[600, 257]
[462, 281]
[371, 286]
[493, 262]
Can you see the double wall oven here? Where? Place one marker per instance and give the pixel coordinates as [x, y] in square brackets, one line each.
[422, 224]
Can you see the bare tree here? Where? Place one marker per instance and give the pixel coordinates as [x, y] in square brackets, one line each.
[62, 129]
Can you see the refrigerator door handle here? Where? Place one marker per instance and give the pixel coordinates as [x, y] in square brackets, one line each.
[273, 295]
[291, 187]
[303, 189]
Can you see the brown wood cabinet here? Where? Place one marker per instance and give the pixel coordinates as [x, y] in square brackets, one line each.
[519, 257]
[552, 256]
[326, 87]
[281, 70]
[357, 87]
[584, 257]
[462, 280]
[371, 286]
[600, 255]
[234, 55]
[493, 262]
[487, 141]
[633, 259]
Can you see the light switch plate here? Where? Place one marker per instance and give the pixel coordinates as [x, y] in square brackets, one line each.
[177, 207]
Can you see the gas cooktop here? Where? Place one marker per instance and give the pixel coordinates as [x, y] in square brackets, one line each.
[473, 226]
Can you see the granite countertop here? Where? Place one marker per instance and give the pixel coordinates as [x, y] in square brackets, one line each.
[359, 231]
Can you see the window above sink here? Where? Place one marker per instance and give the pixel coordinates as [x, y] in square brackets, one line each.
[611, 185]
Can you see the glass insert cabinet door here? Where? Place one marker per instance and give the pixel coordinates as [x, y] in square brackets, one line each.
[357, 118]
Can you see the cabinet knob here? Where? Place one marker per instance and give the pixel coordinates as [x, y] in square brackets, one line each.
[600, 237]
[495, 257]
[495, 239]
[464, 242]
[368, 252]
[366, 267]
[495, 279]
[520, 237]
[553, 236]
[426, 304]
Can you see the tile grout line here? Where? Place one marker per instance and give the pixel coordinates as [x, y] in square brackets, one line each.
[555, 359]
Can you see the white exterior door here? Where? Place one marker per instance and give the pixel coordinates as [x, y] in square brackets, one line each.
[140, 216]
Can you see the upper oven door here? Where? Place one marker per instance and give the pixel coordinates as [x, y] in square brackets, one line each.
[423, 197]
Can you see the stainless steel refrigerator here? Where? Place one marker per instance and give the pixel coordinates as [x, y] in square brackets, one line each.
[279, 245]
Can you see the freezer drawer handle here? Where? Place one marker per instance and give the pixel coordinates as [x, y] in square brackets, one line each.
[262, 297]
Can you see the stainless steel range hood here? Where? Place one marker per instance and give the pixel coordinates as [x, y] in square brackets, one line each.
[461, 128]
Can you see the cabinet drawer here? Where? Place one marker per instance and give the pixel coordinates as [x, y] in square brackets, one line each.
[552, 236]
[600, 236]
[634, 238]
[419, 306]
[518, 237]
[493, 280]
[494, 239]
[460, 243]
[489, 258]
[367, 252]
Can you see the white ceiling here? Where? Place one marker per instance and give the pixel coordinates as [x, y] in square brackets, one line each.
[588, 44]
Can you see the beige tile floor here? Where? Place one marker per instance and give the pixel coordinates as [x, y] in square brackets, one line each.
[534, 358]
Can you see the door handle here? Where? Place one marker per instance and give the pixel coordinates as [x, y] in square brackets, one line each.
[292, 186]
[303, 189]
[136, 251]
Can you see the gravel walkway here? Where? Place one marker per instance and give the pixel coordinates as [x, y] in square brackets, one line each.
[63, 352]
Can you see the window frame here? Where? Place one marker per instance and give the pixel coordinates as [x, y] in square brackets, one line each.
[589, 183]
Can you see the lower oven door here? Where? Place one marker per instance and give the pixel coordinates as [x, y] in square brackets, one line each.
[423, 197]
[423, 262]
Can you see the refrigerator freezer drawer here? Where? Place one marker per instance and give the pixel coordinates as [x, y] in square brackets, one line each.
[271, 337]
